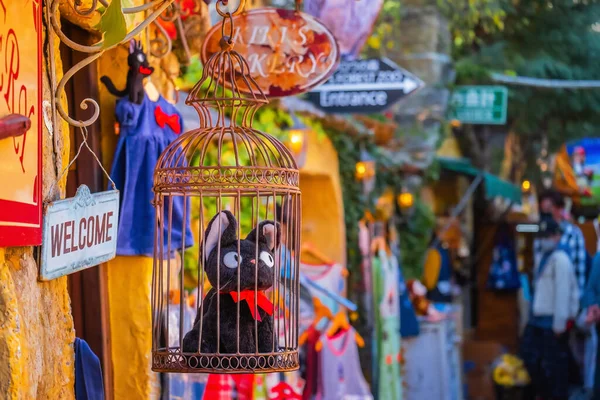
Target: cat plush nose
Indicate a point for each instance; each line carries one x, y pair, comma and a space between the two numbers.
253, 261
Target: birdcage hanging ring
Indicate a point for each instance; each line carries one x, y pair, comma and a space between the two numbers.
225, 291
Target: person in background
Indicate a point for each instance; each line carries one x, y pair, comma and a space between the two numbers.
571, 241
591, 301
555, 303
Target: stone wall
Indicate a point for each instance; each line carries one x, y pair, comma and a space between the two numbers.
36, 327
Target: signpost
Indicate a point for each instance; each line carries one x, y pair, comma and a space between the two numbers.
288, 52
20, 123
79, 233
479, 105
364, 87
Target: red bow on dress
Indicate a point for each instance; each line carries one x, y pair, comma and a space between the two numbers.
163, 119
262, 301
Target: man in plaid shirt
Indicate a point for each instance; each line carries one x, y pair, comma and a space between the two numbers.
572, 241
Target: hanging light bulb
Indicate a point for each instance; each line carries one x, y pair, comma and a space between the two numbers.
406, 200
365, 168
526, 186
297, 140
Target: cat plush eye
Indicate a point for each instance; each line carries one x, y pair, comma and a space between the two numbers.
141, 58
232, 260
267, 258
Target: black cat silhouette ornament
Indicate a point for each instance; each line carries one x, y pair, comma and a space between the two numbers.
255, 264
139, 68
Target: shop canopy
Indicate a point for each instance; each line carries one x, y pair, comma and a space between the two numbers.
493, 185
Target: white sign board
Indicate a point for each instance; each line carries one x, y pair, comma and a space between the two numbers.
79, 233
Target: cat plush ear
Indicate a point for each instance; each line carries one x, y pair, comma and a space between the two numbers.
222, 227
132, 46
269, 234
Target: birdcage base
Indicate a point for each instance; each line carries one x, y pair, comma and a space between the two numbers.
174, 361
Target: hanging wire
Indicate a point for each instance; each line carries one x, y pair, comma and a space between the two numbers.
84, 135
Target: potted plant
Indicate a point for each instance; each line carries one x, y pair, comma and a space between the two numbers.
510, 378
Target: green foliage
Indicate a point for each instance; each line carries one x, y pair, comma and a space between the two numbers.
274, 121
191, 74
385, 30
557, 39
415, 233
112, 24
472, 21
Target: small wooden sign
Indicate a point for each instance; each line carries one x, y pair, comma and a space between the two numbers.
288, 52
79, 232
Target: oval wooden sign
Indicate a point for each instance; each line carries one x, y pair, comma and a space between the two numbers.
288, 52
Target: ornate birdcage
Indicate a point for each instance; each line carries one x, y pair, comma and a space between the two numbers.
239, 190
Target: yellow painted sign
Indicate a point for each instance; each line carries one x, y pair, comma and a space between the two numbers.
20, 93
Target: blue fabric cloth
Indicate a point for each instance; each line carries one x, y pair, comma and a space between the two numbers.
141, 143
88, 373
504, 273
285, 260
441, 293
591, 295
409, 324
525, 286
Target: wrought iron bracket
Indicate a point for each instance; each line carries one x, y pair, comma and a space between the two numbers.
152, 10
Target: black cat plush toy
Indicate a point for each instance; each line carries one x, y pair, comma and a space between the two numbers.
139, 68
254, 272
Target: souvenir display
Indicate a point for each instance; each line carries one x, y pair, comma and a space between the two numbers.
223, 298
146, 128
387, 325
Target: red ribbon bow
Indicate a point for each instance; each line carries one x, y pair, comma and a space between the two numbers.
163, 119
261, 300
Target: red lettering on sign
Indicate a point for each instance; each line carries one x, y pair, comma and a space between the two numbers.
108, 227
100, 229
82, 226
69, 237
90, 227
73, 248
56, 234
12, 64
66, 237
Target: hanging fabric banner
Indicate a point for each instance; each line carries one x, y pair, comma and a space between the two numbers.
351, 22
578, 170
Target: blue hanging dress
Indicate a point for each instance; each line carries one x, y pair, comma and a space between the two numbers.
146, 131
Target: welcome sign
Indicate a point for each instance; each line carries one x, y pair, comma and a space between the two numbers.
79, 233
288, 52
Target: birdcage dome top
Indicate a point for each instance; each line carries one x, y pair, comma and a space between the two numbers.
226, 83
226, 157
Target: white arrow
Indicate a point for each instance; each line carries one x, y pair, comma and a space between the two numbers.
407, 85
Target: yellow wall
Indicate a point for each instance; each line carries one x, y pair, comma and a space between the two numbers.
322, 203
36, 326
129, 279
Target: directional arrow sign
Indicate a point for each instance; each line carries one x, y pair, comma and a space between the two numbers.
364, 87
